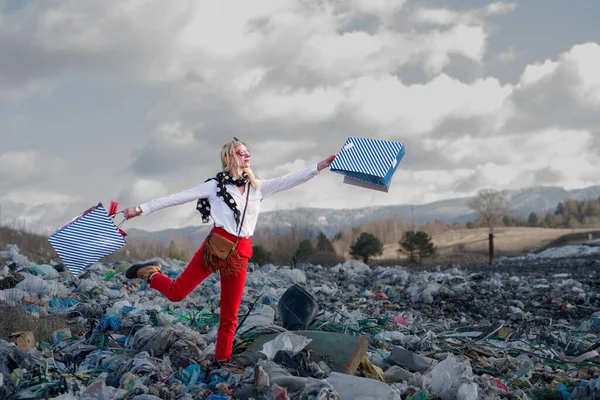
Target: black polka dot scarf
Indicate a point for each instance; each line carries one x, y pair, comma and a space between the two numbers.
222, 178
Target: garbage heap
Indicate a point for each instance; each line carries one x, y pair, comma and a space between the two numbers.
523, 328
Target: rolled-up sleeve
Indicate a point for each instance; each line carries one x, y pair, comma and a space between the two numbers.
271, 186
201, 191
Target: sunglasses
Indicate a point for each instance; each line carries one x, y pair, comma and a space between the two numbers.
243, 153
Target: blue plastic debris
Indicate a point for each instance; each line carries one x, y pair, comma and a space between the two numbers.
564, 391
62, 303
109, 322
215, 397
192, 375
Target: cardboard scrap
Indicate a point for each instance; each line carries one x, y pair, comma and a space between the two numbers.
24, 340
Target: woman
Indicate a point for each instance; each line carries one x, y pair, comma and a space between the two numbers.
232, 199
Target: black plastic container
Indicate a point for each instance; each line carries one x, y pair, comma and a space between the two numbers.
297, 308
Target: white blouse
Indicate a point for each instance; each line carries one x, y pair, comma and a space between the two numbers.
220, 212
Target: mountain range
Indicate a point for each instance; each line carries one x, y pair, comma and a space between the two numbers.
540, 199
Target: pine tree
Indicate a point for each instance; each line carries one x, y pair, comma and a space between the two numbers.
324, 244
366, 246
550, 221
175, 253
260, 255
304, 251
417, 244
533, 219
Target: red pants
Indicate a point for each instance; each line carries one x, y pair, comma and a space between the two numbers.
232, 288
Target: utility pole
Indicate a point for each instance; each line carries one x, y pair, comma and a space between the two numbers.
491, 239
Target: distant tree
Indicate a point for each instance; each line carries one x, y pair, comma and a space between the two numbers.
304, 251
572, 222
366, 246
470, 225
507, 220
592, 209
576, 209
533, 219
417, 244
260, 255
560, 209
408, 245
520, 220
324, 244
491, 205
175, 253
550, 221
561, 220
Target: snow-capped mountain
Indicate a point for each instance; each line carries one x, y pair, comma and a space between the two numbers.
331, 221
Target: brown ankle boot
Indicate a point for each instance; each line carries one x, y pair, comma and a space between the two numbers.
142, 271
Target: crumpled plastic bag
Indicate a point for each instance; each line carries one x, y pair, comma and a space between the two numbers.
260, 317
183, 345
11, 357
286, 341
452, 379
359, 388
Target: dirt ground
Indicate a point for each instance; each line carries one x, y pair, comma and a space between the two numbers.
507, 240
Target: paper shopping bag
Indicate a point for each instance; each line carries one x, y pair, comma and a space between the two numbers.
368, 163
88, 238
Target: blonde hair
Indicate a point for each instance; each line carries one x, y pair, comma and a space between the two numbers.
228, 152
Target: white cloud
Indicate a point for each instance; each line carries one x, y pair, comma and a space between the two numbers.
18, 164
28, 164
286, 168
291, 78
513, 161
417, 109
575, 70
175, 135
535, 72
583, 61
35, 198
248, 80
295, 106
500, 7
438, 16
446, 16
145, 189
381, 7
229, 45
276, 147
468, 41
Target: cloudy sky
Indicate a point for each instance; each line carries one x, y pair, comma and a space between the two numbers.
130, 100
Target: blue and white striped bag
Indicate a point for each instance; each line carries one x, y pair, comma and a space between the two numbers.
88, 238
368, 163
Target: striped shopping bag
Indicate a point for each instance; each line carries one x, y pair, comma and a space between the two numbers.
88, 238
368, 163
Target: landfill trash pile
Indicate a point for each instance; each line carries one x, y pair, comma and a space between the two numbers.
523, 328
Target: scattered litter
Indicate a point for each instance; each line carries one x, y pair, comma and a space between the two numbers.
523, 328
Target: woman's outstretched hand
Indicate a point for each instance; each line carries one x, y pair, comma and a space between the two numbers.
326, 162
131, 212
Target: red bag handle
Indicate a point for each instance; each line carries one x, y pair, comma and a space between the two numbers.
112, 212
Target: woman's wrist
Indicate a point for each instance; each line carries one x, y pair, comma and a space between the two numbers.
138, 211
